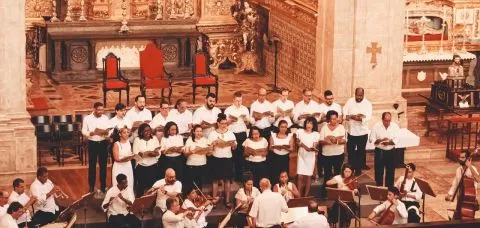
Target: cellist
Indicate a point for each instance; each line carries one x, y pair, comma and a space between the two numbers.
410, 193
395, 206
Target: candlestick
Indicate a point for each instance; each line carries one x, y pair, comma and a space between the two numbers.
68, 18
82, 12
124, 27
54, 12
159, 10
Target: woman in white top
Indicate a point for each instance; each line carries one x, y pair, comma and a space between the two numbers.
148, 148
172, 148
287, 189
245, 197
281, 144
343, 181
307, 141
122, 155
196, 151
220, 163
255, 152
332, 139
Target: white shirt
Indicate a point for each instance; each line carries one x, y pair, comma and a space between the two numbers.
3, 209
340, 182
302, 108
116, 122
209, 116
265, 121
312, 220
182, 120
162, 199
458, 176
242, 196
334, 149
171, 220
283, 106
40, 191
23, 200
202, 221
133, 115
261, 144
408, 188
225, 152
379, 132
400, 211
358, 128
118, 206
171, 141
91, 122
267, 208
335, 107
239, 125
280, 142
196, 159
158, 120
140, 145
7, 221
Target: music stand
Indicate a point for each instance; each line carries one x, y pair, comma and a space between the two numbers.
142, 203
299, 202
340, 195
427, 190
377, 193
83, 201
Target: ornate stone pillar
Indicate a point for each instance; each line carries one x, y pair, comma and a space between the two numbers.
18, 144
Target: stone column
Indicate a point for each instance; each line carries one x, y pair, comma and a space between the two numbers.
18, 144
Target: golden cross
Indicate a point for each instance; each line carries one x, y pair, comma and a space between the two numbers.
374, 50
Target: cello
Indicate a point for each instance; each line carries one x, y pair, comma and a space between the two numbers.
467, 200
387, 216
402, 186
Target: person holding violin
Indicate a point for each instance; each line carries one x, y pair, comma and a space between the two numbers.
117, 202
410, 193
168, 187
287, 189
244, 199
392, 211
199, 206
174, 217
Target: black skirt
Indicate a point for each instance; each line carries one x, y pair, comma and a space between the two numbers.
220, 168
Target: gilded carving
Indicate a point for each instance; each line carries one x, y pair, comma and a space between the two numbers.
170, 53
38, 8
218, 7
139, 9
223, 48
189, 9
159, 9
100, 9
79, 54
175, 8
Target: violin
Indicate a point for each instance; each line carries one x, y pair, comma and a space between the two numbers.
352, 181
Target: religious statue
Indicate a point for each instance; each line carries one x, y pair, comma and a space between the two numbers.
455, 71
159, 10
176, 7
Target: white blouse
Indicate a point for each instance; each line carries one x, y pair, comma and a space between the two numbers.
140, 145
335, 149
261, 144
171, 141
225, 152
308, 139
196, 159
280, 142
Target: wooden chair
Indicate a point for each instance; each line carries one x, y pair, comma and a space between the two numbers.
113, 78
202, 77
152, 72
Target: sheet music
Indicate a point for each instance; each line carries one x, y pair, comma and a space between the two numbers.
293, 214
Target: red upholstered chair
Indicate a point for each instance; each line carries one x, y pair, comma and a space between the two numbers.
113, 78
202, 77
152, 72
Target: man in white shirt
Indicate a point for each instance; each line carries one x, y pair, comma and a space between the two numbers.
411, 194
12, 214
306, 108
117, 201
398, 208
3, 202
95, 128
267, 207
312, 220
43, 189
137, 115
330, 104
207, 114
171, 218
160, 120
357, 112
262, 114
119, 120
283, 108
237, 115
18, 195
165, 188
384, 137
182, 117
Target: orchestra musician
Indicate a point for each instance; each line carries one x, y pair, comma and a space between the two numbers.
117, 202
307, 140
286, 188
267, 207
255, 152
172, 149
281, 145
173, 217
410, 193
10, 218
312, 220
18, 195
165, 188
46, 210
148, 148
3, 202
244, 199
200, 207
196, 150
345, 181
392, 210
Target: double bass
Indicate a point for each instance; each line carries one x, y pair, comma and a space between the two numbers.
402, 186
467, 199
387, 216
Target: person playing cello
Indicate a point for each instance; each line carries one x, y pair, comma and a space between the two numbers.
392, 211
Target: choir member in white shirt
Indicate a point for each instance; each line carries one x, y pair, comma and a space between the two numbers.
312, 220
220, 163
281, 145
119, 120
262, 114
256, 150
95, 128
329, 104
237, 117
358, 112
160, 120
206, 114
306, 108
148, 148
267, 207
196, 150
122, 156
384, 137
199, 206
3, 202
394, 204
173, 218
137, 115
283, 109
286, 188
44, 190
307, 140
117, 202
183, 118
168, 187
332, 139
18, 195
411, 194
172, 149
244, 199
13, 213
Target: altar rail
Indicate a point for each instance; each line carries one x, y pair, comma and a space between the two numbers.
462, 134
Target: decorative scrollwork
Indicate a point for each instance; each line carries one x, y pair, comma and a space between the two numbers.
79, 54
170, 53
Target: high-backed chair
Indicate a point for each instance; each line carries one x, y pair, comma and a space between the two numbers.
113, 79
152, 72
202, 77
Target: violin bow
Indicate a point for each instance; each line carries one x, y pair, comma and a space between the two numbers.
196, 186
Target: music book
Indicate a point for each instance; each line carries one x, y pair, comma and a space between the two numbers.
259, 115
207, 124
221, 143
282, 112
293, 214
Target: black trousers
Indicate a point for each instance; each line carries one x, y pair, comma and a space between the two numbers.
412, 213
384, 160
266, 132
116, 221
345, 216
356, 152
333, 165
41, 218
176, 163
259, 171
239, 220
277, 164
320, 162
145, 176
238, 158
97, 149
194, 174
